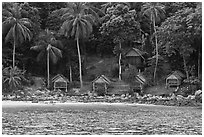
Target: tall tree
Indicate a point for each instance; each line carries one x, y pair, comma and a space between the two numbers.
14, 27
121, 24
47, 44
77, 23
155, 11
105, 6
182, 33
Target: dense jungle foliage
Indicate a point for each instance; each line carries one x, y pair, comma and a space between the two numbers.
48, 38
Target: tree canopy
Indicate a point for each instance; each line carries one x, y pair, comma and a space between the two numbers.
172, 30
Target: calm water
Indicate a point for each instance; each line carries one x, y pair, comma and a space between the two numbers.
100, 118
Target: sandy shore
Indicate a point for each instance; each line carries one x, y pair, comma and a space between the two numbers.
57, 103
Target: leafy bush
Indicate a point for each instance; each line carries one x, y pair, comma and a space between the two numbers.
190, 85
129, 75
12, 78
162, 70
114, 71
74, 84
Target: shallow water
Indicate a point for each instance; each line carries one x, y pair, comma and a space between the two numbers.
99, 118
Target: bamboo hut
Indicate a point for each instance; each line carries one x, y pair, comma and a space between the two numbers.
101, 83
174, 79
135, 57
140, 81
60, 82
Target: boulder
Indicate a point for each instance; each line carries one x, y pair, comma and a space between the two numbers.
190, 97
136, 94
122, 96
173, 96
38, 92
35, 101
198, 93
179, 97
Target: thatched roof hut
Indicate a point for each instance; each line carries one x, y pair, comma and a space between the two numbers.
60, 82
135, 57
174, 79
101, 80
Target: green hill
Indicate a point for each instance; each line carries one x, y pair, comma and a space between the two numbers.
96, 66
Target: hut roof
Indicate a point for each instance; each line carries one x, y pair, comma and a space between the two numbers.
59, 78
176, 75
133, 52
101, 79
141, 79
177, 72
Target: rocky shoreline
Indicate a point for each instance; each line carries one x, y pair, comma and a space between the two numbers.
146, 99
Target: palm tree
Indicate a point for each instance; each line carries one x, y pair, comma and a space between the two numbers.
47, 44
14, 27
13, 77
155, 12
77, 23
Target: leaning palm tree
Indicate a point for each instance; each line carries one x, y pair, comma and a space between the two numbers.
14, 27
155, 11
47, 44
77, 23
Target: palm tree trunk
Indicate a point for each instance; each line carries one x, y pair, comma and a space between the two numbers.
48, 69
120, 70
185, 67
70, 73
14, 50
198, 63
80, 71
157, 53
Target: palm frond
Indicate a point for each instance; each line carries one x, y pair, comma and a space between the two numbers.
73, 30
84, 30
66, 27
26, 22
9, 20
38, 47
79, 11
61, 11
67, 16
6, 14
154, 10
41, 55
28, 33
56, 51
21, 33
53, 56
9, 35
96, 17
88, 26
75, 21
90, 18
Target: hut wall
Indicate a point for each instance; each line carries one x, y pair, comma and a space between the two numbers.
60, 84
173, 82
134, 61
